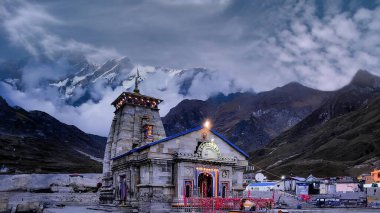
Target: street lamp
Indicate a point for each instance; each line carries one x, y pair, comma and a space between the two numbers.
207, 124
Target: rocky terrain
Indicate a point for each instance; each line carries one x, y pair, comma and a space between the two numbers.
250, 120
36, 192
341, 137
35, 142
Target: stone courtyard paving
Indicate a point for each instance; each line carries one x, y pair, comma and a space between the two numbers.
68, 209
87, 209
330, 210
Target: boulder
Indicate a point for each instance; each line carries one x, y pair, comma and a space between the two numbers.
30, 207
3, 204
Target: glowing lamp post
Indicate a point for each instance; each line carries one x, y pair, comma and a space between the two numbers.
207, 124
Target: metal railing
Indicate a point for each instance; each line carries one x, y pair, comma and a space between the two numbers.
197, 203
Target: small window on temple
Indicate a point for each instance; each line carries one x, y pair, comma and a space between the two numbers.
188, 188
148, 131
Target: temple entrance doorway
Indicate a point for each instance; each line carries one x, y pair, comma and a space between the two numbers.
205, 185
225, 189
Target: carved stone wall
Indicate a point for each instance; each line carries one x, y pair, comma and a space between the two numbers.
125, 134
155, 198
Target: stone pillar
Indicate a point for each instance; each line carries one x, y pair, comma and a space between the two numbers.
107, 152
116, 134
134, 181
106, 192
237, 181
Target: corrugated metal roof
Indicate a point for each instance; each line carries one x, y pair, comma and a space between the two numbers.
262, 184
138, 149
298, 178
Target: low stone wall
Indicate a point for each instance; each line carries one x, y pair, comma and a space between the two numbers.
39, 182
28, 201
33, 192
51, 198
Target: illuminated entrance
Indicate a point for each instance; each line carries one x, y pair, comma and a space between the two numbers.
205, 184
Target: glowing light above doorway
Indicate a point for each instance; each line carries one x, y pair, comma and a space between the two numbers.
207, 169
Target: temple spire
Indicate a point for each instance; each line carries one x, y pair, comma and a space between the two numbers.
136, 90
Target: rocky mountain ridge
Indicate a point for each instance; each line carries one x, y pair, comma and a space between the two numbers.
35, 142
250, 120
338, 138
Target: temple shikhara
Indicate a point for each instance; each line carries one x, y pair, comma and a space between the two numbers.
149, 171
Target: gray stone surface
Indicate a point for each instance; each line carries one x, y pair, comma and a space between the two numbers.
3, 204
33, 182
37, 201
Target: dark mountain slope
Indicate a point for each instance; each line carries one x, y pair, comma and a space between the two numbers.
248, 119
36, 142
339, 138
355, 95
191, 113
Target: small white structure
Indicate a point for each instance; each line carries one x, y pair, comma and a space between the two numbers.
302, 189
289, 184
346, 187
327, 188
263, 186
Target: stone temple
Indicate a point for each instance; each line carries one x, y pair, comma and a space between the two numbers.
145, 169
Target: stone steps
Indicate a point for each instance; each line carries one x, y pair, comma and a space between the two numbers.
113, 208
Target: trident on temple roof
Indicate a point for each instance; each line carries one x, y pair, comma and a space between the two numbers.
136, 90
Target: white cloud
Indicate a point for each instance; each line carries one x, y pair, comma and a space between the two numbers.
195, 2
26, 25
325, 53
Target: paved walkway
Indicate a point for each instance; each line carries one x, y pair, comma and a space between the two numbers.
88, 209
331, 210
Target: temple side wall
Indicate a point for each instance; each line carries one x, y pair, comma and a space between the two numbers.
115, 133
156, 189
107, 153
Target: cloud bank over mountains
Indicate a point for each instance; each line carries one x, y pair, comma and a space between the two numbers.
243, 45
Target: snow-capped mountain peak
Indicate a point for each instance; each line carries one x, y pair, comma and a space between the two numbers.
80, 80
122, 72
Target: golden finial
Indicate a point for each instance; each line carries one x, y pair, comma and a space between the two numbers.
136, 90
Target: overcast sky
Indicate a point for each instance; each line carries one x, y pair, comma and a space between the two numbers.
263, 43
267, 43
